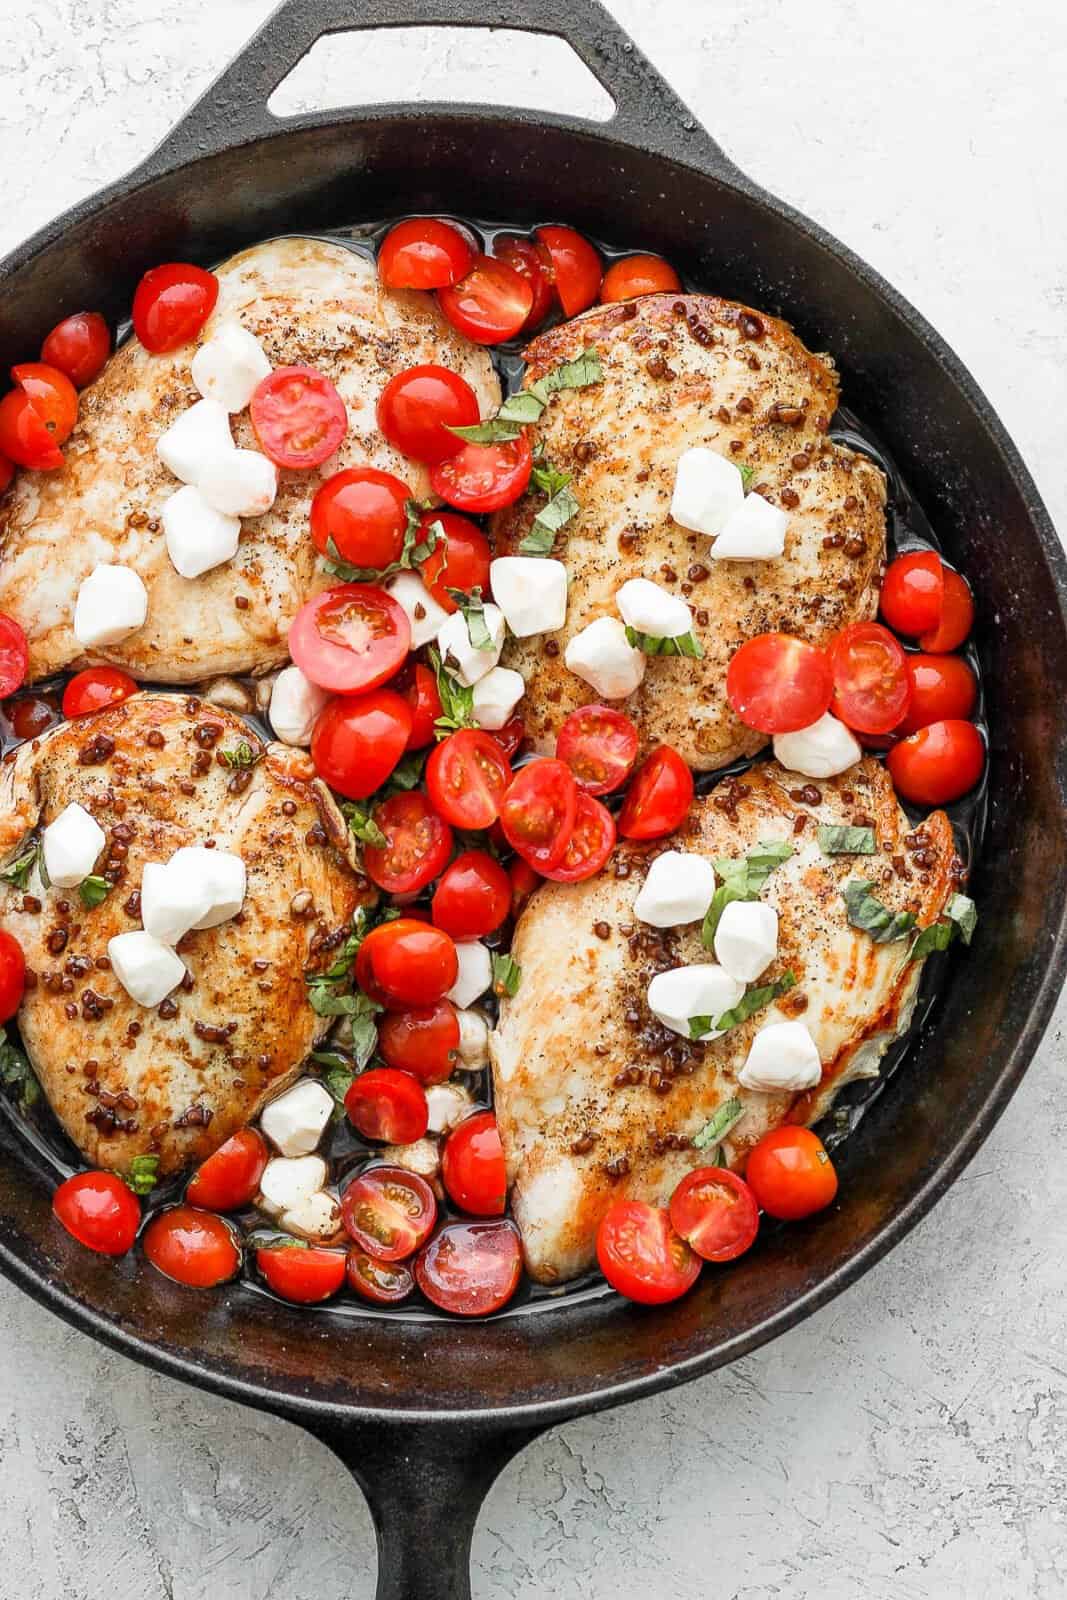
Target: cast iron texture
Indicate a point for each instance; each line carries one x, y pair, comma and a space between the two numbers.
229, 175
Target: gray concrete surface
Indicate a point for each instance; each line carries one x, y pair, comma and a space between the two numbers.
910, 1442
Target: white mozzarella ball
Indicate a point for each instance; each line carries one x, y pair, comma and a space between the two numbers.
822, 750
289, 1180
677, 890
71, 843
147, 969
783, 1056
112, 603
531, 591
222, 874
172, 901
316, 1218
195, 440
447, 1104
199, 537
473, 1041
703, 990
242, 483
651, 609
496, 696
746, 940
422, 1157
708, 489
294, 1121
460, 656
755, 532
475, 973
604, 658
419, 606
230, 366
295, 703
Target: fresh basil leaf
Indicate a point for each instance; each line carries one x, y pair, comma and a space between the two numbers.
580, 373
419, 542
938, 936
867, 913
960, 919
16, 1073
964, 914
754, 1000
768, 854
94, 890
362, 824
842, 840
143, 1174
549, 479
275, 1239
507, 975
473, 608
521, 408
242, 755
18, 872
457, 700
747, 475
407, 774
699, 1026
525, 407
554, 515
715, 1130
338, 1078
497, 430
685, 644
742, 880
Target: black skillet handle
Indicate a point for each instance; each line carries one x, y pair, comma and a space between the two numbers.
425, 1484
234, 109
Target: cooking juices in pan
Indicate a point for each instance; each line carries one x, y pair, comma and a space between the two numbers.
31, 712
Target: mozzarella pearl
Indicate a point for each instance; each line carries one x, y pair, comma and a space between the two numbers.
703, 990
602, 656
821, 750
230, 366
460, 656
287, 1181
708, 489
473, 1041
173, 900
223, 876
199, 537
755, 532
677, 890
316, 1217
496, 696
71, 845
783, 1056
147, 969
447, 1104
294, 1122
419, 606
746, 940
651, 609
475, 973
195, 440
295, 703
531, 591
112, 603
241, 483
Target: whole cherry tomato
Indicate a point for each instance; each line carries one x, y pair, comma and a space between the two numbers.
913, 592
195, 1248
423, 1041
387, 1104
471, 1268
305, 1274
79, 346
872, 686
715, 1212
943, 688
778, 684
389, 1212
406, 963
12, 975
419, 406
790, 1173
171, 304
229, 1179
423, 253
577, 270
484, 477
467, 776
490, 303
636, 275
591, 842
459, 561
938, 764
957, 617
98, 1210
298, 417
14, 656
641, 1255
362, 514
659, 796
539, 810
96, 689
350, 638
472, 1166
532, 262
358, 740
473, 896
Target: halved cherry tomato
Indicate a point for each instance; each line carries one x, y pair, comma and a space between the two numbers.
490, 303
778, 684
229, 1179
387, 1104
473, 896
171, 304
636, 275
539, 811
24, 437
424, 1041
658, 798
305, 1274
577, 270
363, 513
191, 1247
12, 975
591, 842
417, 408
406, 963
298, 417
461, 561
871, 683
350, 638
383, 1283
358, 740
418, 848
98, 1210
51, 394
484, 477
790, 1174
423, 253
472, 1166
938, 764
14, 655
524, 881
511, 736
471, 1268
95, 689
641, 1255
532, 262
418, 685
599, 745
715, 1212
913, 592
957, 617
78, 346
388, 1211
30, 715
943, 688
467, 776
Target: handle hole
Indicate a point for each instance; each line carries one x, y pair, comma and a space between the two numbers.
501, 66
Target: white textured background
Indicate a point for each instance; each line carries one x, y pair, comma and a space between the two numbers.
910, 1442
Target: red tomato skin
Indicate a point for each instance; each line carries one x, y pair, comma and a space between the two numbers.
471, 1268
423, 253
386, 1104
532, 262
298, 418
12, 975
473, 896
358, 740
524, 881
51, 394
659, 796
98, 1210
511, 737
939, 764
484, 477
363, 511
306, 1276
913, 592
943, 688
591, 842
407, 963
96, 689
229, 1178
472, 1167
423, 1041
420, 691
637, 275
418, 407
957, 617
325, 630
872, 687
467, 776
776, 683
719, 1227
14, 656
576, 268
641, 1256
461, 562
490, 303
790, 1174
420, 844
191, 1247
29, 716
24, 438
599, 745
383, 1283
79, 346
389, 1212
539, 811
171, 304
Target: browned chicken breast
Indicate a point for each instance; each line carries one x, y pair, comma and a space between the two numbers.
597, 1100
177, 1079
310, 303
681, 371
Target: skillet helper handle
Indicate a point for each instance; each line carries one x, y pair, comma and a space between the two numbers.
425, 1484
233, 110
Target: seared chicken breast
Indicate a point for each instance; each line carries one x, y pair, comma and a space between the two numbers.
596, 1100
310, 302
175, 1080
679, 371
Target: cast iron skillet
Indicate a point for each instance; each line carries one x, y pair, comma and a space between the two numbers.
425, 1413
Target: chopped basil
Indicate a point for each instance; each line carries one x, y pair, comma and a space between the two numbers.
962, 915
16, 1073
473, 608
338, 1078
94, 890
754, 1000
684, 644
742, 880
275, 1239
867, 913
361, 823
715, 1130
495, 430
17, 872
143, 1174
559, 509
841, 840
330, 993
407, 774
525, 407
242, 755
506, 976
747, 475
457, 700
419, 542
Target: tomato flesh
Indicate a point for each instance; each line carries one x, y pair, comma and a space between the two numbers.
484, 477
939, 764
459, 561
473, 896
490, 303
471, 1268
472, 1166
778, 684
659, 797
943, 688
641, 1255
406, 963
171, 304
467, 776
790, 1174
577, 270
637, 275
298, 417
350, 638
383, 1283
96, 689
532, 262
98, 1210
387, 1104
715, 1212
913, 592
539, 811
418, 407
423, 253
362, 514
872, 687
591, 842
229, 1179
304, 1274
419, 844
388, 1212
191, 1247
24, 437
956, 620
599, 745
423, 1041
79, 346
358, 740
14, 656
